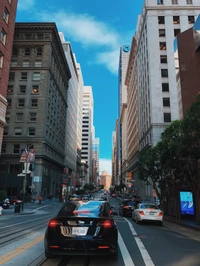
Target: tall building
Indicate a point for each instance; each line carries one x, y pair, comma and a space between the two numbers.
114, 174
122, 157
95, 157
158, 25
7, 26
72, 113
87, 125
132, 119
188, 61
36, 113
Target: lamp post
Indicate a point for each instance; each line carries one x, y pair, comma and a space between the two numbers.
26, 164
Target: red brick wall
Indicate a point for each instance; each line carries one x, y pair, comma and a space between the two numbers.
189, 63
6, 49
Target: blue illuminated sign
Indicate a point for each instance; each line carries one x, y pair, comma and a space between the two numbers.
186, 203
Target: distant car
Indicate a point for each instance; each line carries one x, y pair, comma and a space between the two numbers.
82, 228
14, 199
127, 206
75, 197
147, 212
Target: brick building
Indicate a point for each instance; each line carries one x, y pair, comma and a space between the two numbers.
7, 25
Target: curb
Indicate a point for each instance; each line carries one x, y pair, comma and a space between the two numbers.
194, 227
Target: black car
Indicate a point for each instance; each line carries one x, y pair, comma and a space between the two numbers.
127, 206
82, 228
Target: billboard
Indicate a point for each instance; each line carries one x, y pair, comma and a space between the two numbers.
186, 203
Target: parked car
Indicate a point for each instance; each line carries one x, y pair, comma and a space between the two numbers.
147, 212
14, 200
82, 228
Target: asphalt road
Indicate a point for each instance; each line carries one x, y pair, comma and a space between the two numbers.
139, 245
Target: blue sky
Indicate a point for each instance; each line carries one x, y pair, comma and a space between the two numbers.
96, 29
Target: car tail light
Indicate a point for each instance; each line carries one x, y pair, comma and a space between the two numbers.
54, 223
105, 224
103, 247
126, 207
160, 214
141, 212
111, 211
54, 246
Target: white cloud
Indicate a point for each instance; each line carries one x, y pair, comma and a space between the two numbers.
110, 59
25, 4
105, 165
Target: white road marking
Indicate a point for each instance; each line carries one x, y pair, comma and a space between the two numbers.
131, 227
145, 255
124, 251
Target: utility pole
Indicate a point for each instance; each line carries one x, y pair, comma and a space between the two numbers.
26, 164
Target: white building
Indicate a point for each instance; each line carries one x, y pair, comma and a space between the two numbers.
122, 136
87, 126
159, 23
71, 125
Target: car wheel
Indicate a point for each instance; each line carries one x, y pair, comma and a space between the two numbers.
48, 255
136, 220
114, 256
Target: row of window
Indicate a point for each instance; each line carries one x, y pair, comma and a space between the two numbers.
161, 32
37, 63
175, 2
27, 51
176, 20
23, 89
20, 117
18, 131
21, 102
24, 76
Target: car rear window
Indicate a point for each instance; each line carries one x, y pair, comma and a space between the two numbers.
149, 206
130, 203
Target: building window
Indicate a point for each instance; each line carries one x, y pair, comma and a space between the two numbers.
15, 51
39, 51
10, 89
165, 87
13, 63
40, 36
7, 117
3, 148
176, 32
21, 102
161, 32
9, 102
24, 75
6, 15
163, 59
159, 2
32, 117
27, 51
191, 19
189, 2
163, 46
167, 117
3, 36
11, 76
28, 36
16, 148
31, 131
35, 89
22, 89
161, 20
25, 64
19, 117
34, 102
166, 102
36, 76
18, 131
176, 20
174, 2
38, 63
164, 73
1, 60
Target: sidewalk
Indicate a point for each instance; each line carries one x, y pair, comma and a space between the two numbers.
187, 223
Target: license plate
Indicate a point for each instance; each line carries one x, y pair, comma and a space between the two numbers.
79, 231
151, 213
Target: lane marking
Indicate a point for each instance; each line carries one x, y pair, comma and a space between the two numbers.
2, 227
131, 227
124, 251
145, 255
20, 250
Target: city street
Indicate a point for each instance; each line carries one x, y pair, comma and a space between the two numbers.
21, 241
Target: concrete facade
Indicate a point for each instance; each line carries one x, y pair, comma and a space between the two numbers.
37, 107
7, 26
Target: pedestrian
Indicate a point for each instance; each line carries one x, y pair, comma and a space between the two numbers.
40, 199
33, 199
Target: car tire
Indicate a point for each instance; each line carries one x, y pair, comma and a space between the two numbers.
137, 221
48, 255
114, 256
